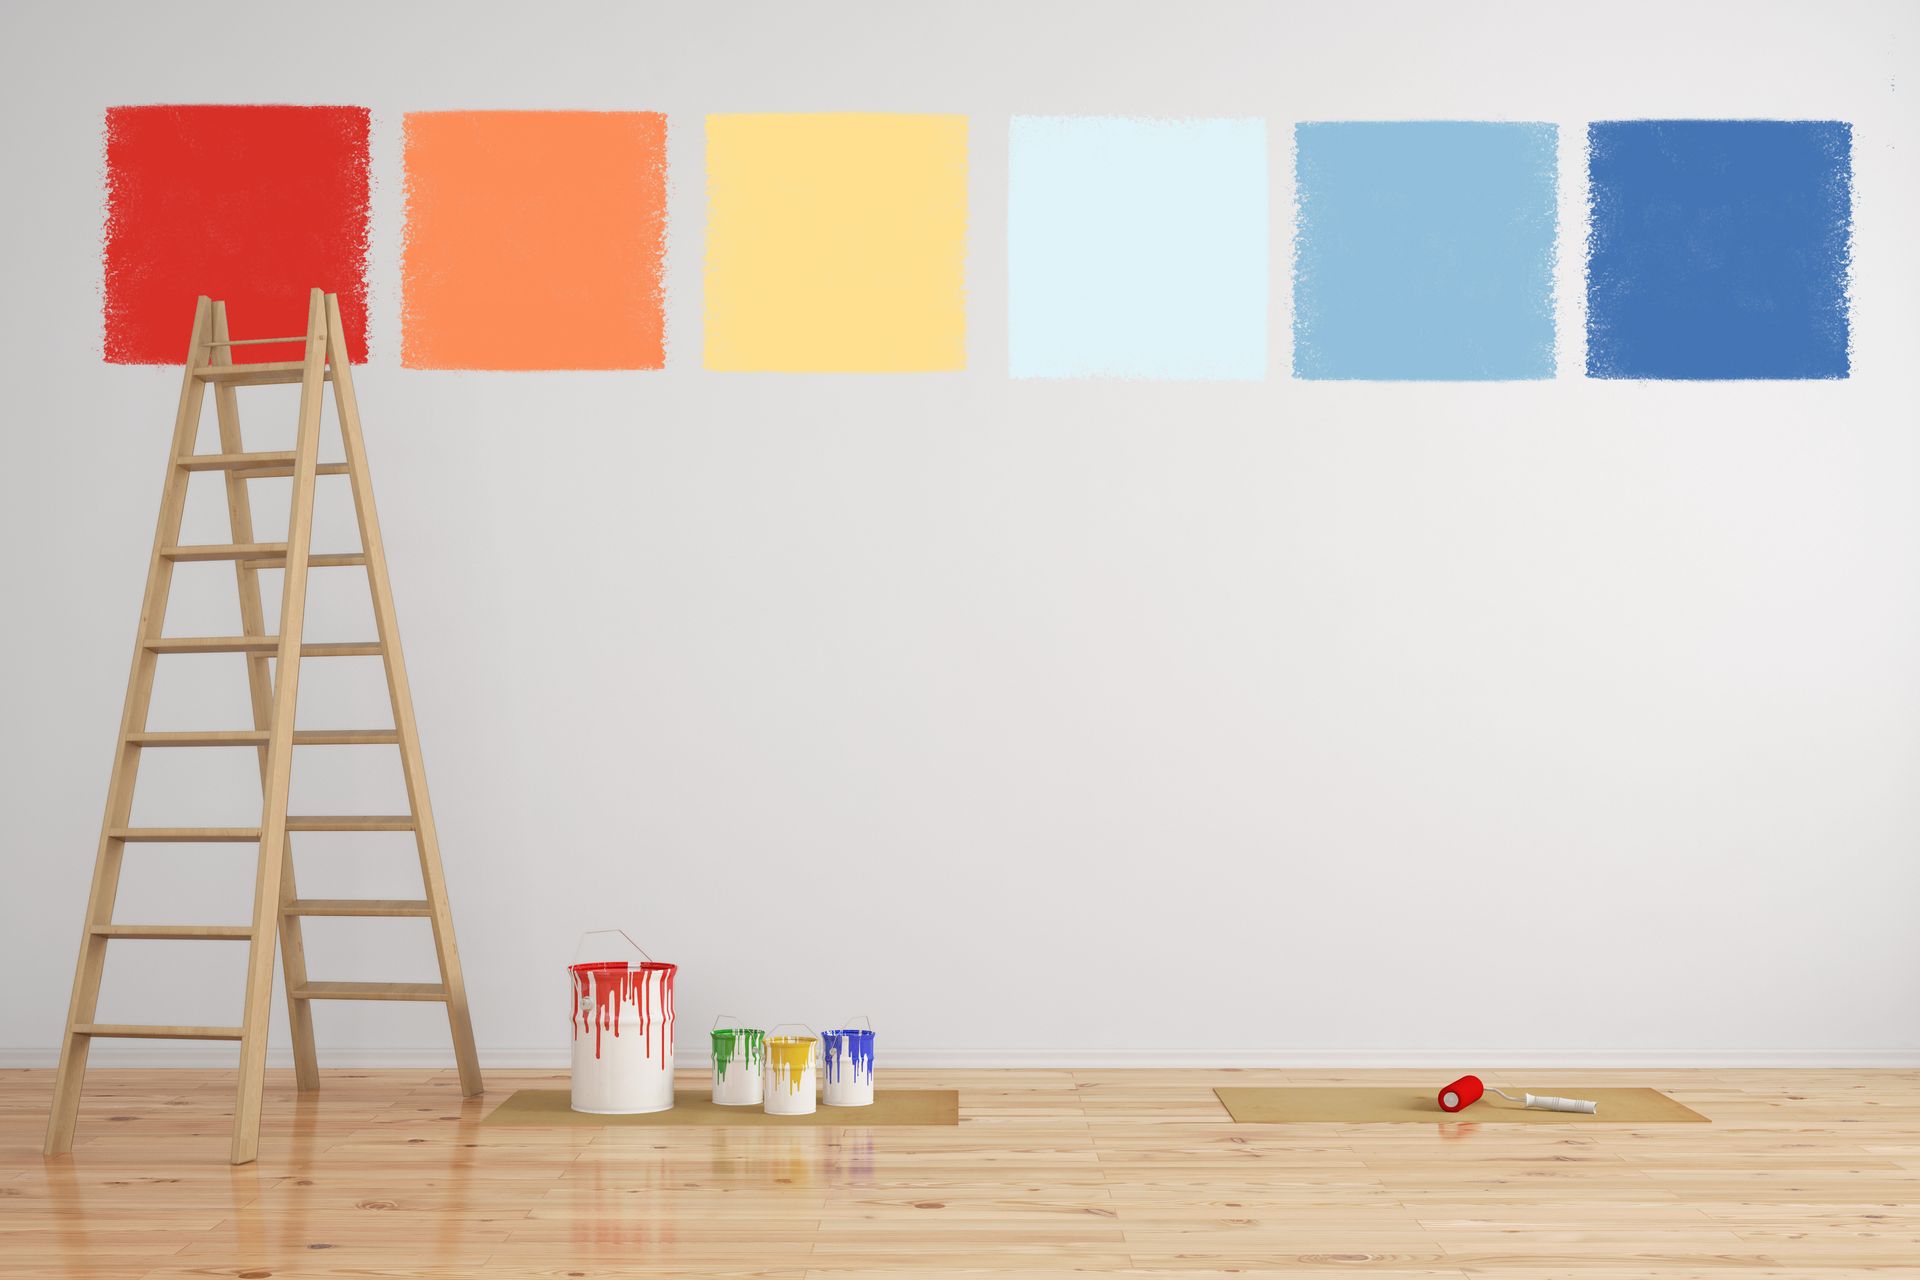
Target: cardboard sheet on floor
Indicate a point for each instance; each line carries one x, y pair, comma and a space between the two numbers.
546, 1108
1378, 1104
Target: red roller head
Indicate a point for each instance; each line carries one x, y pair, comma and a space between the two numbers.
1461, 1094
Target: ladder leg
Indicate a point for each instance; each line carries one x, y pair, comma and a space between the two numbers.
92, 961
427, 840
293, 952
273, 818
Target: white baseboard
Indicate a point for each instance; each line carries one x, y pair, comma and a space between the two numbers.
1081, 1058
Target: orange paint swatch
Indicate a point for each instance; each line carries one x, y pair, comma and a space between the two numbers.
534, 240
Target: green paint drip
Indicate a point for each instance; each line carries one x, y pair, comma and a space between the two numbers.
745, 1043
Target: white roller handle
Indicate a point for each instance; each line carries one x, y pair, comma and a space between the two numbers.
1562, 1104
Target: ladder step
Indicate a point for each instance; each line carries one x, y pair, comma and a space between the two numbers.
266, 373
186, 835
258, 738
214, 644
227, 551
357, 907
258, 644
256, 466
281, 473
370, 649
344, 822
346, 737
201, 738
313, 562
197, 932
369, 991
124, 1032
257, 555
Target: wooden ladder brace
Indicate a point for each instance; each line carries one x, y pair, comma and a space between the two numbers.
278, 910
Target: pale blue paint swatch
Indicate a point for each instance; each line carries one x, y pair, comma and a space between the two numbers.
1137, 248
1425, 250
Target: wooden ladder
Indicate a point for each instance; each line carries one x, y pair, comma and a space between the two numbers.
277, 908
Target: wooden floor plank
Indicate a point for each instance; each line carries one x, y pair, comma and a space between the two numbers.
1051, 1173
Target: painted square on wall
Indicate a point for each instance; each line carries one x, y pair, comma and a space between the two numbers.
1425, 250
1719, 248
1137, 248
836, 243
250, 205
534, 240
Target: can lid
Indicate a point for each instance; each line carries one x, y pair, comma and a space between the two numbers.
621, 966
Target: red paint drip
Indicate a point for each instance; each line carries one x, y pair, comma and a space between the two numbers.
613, 983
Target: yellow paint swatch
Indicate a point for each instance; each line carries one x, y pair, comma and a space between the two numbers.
836, 243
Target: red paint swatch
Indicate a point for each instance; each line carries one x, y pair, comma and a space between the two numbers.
252, 205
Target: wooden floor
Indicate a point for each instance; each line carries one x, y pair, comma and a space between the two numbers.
1050, 1173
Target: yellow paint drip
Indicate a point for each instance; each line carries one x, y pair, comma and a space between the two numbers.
790, 1056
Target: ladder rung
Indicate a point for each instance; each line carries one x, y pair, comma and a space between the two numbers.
124, 1032
214, 644
346, 737
278, 560
197, 932
369, 991
235, 461
254, 342
259, 644
258, 737
186, 835
255, 466
345, 822
357, 907
262, 374
275, 551
257, 555
201, 738
281, 473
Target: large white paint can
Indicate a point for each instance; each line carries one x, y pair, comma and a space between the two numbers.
846, 1066
739, 1065
791, 1082
622, 1014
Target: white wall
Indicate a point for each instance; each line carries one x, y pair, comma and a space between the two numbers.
1079, 721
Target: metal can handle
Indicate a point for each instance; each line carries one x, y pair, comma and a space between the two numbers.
594, 933
720, 1017
848, 1025
776, 1027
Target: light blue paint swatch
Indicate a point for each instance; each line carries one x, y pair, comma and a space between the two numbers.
1137, 248
1425, 250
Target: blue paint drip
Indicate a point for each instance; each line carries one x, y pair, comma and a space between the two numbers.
1719, 248
844, 1048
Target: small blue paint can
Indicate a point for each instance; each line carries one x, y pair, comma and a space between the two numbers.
846, 1074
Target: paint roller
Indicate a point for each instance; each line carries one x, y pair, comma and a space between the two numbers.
1467, 1090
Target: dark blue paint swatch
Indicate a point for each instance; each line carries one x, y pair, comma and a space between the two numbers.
1718, 248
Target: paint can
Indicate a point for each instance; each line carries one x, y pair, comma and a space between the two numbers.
791, 1082
622, 1014
739, 1065
846, 1066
